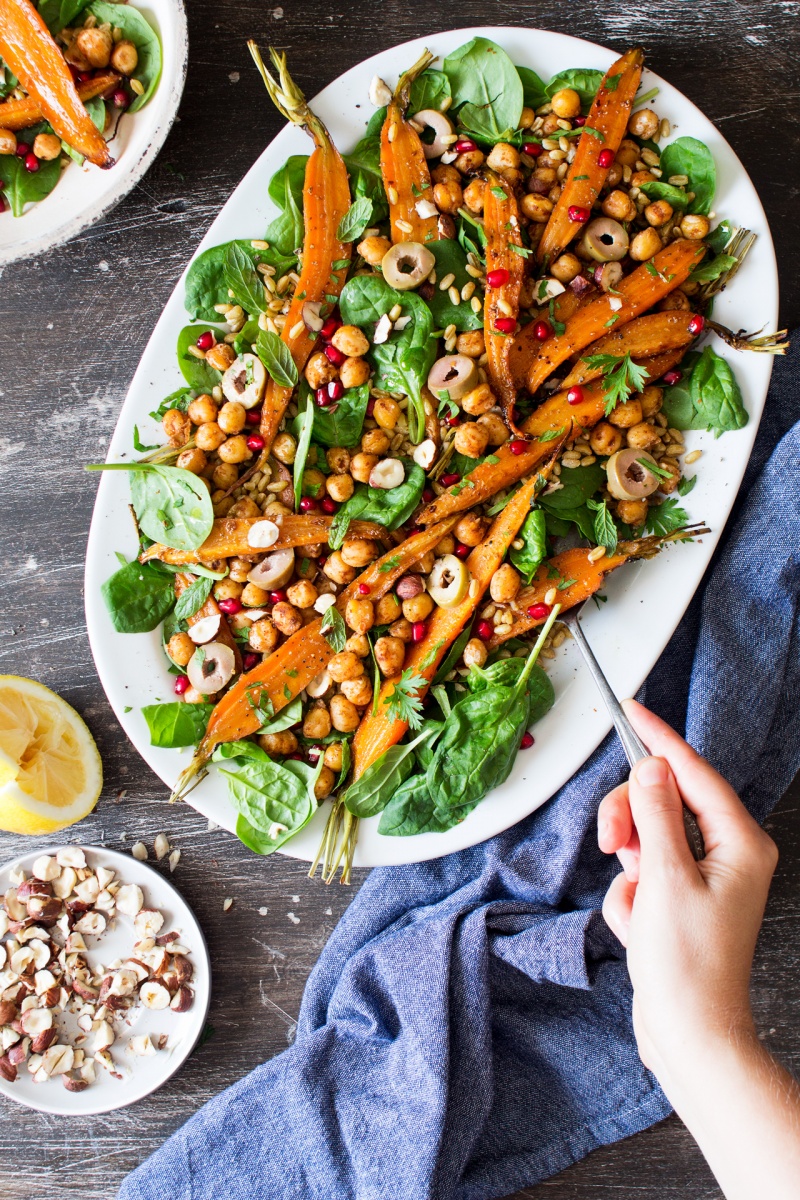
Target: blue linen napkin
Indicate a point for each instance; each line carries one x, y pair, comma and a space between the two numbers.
467, 1031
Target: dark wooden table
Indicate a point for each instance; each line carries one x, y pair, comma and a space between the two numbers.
72, 328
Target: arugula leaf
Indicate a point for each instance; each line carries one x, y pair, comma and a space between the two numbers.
690, 157
137, 29
486, 89
622, 377
534, 551
665, 518
277, 358
138, 597
333, 629
355, 220
176, 724
171, 505
451, 259
403, 702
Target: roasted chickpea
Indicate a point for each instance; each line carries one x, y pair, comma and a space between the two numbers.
632, 512
223, 506
344, 714
644, 124
542, 179
324, 783
471, 439
353, 372
386, 412
614, 175
651, 399
358, 644
566, 268
239, 569
286, 617
446, 546
278, 745
240, 622
234, 450
225, 475
340, 487
320, 371
176, 426
418, 608
302, 594
401, 629
479, 400
504, 584
337, 569
373, 249
232, 417
644, 245
361, 465
351, 341
334, 756
338, 459
642, 436
628, 153
471, 344
8, 141
192, 696
390, 653
619, 206
475, 653
209, 436
254, 596
95, 45
192, 460
605, 440
244, 508
345, 665
360, 614
47, 146
284, 448
375, 441
221, 356
469, 530
694, 226
359, 552
536, 208
317, 721
445, 173
503, 157
469, 162
527, 118
180, 648
387, 609
448, 197
495, 427
125, 57
640, 177
263, 635
627, 414
202, 410
227, 589
658, 213
314, 483
667, 486
358, 691
474, 194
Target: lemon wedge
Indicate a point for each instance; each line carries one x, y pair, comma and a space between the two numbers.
50, 769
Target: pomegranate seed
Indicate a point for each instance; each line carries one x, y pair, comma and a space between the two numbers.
575, 395
696, 324
277, 597
672, 377
330, 327
462, 551
321, 397
253, 416
323, 558
230, 606
23, 150
418, 631
498, 278
539, 612
606, 157
181, 685
428, 495
370, 406
336, 389
296, 757
534, 149
465, 146
579, 122
452, 421
518, 446
542, 331
250, 660
84, 76
314, 753
307, 504
255, 442
450, 478
32, 164
121, 99
505, 324
527, 741
329, 506
484, 630
364, 588
578, 213
333, 355
205, 341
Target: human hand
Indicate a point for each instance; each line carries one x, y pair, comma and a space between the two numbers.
689, 927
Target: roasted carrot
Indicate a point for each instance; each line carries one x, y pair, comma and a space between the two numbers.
29, 50
565, 306
282, 676
635, 294
404, 167
608, 117
210, 609
326, 199
21, 114
229, 537
505, 262
582, 577
645, 337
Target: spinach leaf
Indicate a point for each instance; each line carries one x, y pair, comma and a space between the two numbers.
486, 89
243, 280
57, 14
688, 156
658, 190
193, 598
97, 111
506, 671
273, 800
286, 718
534, 552
290, 179
138, 596
277, 358
568, 504
425, 750
453, 656
712, 268
355, 220
471, 235
205, 280
21, 186
411, 810
171, 505
342, 423
302, 428
707, 397
541, 695
180, 399
196, 371
177, 724
429, 90
582, 80
135, 28
534, 94
390, 507
285, 232
403, 361
718, 239
364, 168
373, 790
451, 259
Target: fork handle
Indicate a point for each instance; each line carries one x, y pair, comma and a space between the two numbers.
632, 744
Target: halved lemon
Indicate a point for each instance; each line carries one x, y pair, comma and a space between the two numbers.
50, 769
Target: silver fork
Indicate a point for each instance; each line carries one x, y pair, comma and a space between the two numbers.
634, 748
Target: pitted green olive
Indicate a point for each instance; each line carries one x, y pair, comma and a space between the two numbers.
629, 477
407, 265
605, 240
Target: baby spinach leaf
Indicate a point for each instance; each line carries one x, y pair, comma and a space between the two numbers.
277, 358
57, 14
364, 167
171, 504
21, 186
180, 399
534, 94
196, 371
286, 718
534, 552
582, 80
342, 423
451, 259
541, 695
429, 90
688, 156
285, 232
302, 427
390, 507
176, 724
135, 28
712, 268
273, 801
410, 811
138, 597
193, 598
290, 179
707, 397
486, 89
205, 280
579, 483
718, 239
658, 190
243, 280
453, 656
503, 671
355, 220
373, 790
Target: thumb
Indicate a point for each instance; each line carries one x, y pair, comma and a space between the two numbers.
657, 812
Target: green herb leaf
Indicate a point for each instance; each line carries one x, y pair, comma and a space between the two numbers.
605, 531
685, 486
243, 280
333, 629
622, 377
411, 811
277, 359
303, 427
403, 702
193, 598
138, 445
713, 269
665, 518
355, 220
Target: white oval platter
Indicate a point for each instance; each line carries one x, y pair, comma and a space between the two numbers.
84, 194
645, 601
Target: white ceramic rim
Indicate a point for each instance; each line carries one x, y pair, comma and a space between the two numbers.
158, 115
192, 935
646, 600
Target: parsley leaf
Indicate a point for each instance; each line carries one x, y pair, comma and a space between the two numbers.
621, 375
665, 518
403, 702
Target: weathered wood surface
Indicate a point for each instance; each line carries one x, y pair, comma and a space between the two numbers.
72, 328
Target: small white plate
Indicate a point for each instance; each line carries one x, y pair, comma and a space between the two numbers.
84, 194
142, 1075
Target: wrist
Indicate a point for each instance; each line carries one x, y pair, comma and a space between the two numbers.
697, 1072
